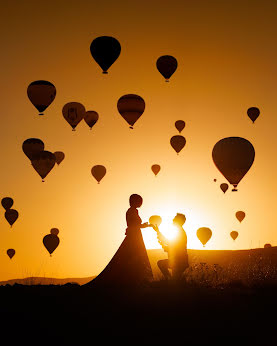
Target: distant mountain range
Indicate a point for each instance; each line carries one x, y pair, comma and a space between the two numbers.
46, 281
220, 257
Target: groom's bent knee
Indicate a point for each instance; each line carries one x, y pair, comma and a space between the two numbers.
163, 264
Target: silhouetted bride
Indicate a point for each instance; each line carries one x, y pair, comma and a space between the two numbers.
130, 264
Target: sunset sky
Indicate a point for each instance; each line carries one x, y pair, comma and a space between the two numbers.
227, 54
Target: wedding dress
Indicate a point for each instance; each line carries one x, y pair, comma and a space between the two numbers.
130, 264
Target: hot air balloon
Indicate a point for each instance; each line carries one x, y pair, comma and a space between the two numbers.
253, 113
180, 125
73, 113
105, 50
204, 234
59, 155
32, 146
41, 93
11, 253
91, 118
166, 65
240, 215
51, 241
131, 107
267, 246
155, 220
234, 235
43, 162
177, 142
156, 169
11, 215
7, 202
54, 231
224, 187
98, 172
214, 180
233, 156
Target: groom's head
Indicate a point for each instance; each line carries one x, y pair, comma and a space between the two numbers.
179, 219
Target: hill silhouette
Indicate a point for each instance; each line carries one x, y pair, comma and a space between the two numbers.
241, 260
36, 280
162, 313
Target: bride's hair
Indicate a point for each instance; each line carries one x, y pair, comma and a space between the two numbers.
135, 200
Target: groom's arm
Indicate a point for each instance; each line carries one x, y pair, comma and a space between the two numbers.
163, 241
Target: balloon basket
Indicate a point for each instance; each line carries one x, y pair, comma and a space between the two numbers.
131, 127
234, 189
41, 114
43, 181
74, 129
105, 72
167, 80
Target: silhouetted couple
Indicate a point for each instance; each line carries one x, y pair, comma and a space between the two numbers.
130, 265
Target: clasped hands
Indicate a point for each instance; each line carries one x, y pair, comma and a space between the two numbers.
146, 224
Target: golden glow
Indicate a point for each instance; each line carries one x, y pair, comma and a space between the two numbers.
166, 228
194, 220
169, 230
222, 71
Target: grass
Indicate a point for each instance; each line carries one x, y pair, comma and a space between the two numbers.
210, 305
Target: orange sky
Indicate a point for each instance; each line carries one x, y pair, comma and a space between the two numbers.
227, 56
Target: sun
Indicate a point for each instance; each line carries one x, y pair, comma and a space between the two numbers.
167, 228
194, 220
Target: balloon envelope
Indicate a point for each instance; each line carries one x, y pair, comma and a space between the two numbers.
267, 246
32, 146
156, 169
178, 142
91, 118
240, 215
253, 113
51, 241
105, 50
7, 202
224, 187
131, 107
166, 65
11, 253
98, 172
11, 215
54, 231
43, 162
180, 125
204, 234
41, 93
234, 235
233, 156
155, 220
73, 112
59, 155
